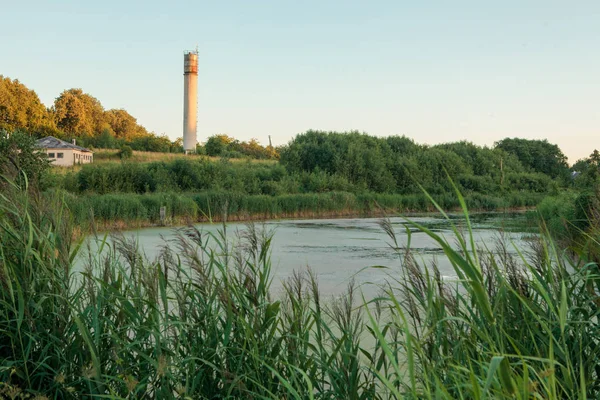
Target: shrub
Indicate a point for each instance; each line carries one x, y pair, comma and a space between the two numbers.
21, 160
126, 152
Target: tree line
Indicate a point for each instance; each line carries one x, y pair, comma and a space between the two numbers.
317, 162
73, 113
398, 164
78, 115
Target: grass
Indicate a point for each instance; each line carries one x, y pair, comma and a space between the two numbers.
111, 155
200, 321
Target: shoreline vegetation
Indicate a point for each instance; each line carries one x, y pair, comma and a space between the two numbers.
319, 174
112, 212
121, 225
201, 322
118, 225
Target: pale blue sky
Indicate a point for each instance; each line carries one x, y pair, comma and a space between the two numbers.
434, 71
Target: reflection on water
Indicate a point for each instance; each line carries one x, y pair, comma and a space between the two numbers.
338, 250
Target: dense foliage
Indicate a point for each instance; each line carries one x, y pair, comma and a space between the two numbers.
20, 160
183, 175
21, 108
537, 156
370, 172
225, 146
397, 164
321, 162
572, 214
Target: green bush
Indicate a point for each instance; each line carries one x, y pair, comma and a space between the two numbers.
21, 162
557, 212
531, 182
126, 152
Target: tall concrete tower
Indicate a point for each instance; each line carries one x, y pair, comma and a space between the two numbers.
190, 100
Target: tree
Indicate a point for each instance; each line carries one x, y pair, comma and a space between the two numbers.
360, 158
177, 146
434, 167
20, 159
402, 145
151, 142
537, 156
124, 125
587, 171
217, 145
255, 150
21, 108
106, 139
125, 153
76, 112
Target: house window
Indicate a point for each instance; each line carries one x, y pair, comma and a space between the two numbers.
59, 155
50, 155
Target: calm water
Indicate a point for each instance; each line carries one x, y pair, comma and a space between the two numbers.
338, 250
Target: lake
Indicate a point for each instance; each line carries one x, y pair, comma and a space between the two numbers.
339, 250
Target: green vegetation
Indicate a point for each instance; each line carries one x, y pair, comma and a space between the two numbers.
118, 211
125, 153
537, 155
228, 147
19, 160
571, 213
111, 156
319, 174
200, 321
397, 164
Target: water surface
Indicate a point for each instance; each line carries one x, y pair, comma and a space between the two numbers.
339, 250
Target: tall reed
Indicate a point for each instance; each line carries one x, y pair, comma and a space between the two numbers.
200, 321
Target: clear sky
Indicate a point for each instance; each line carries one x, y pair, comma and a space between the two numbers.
434, 71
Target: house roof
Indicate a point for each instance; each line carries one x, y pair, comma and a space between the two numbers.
50, 142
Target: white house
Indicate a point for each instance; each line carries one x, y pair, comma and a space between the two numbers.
65, 154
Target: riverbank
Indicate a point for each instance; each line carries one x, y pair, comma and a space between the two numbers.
132, 211
120, 225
